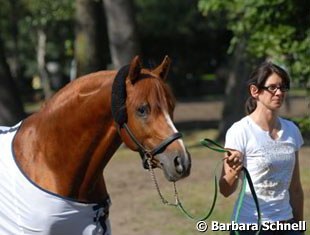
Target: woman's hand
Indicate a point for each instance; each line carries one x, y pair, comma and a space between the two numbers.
234, 159
232, 166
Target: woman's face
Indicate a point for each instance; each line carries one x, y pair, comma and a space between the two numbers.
272, 94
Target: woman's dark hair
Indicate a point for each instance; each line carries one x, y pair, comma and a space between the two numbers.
259, 77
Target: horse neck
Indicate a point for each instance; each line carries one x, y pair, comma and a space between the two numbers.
79, 139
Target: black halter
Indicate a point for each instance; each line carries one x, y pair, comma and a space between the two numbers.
145, 153
119, 113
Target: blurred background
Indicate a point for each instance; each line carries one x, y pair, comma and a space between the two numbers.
213, 44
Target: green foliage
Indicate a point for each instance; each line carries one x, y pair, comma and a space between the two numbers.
151, 18
178, 29
274, 29
44, 12
19, 21
304, 125
55, 18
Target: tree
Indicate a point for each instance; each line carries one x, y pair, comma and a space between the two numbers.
276, 30
43, 17
11, 108
122, 31
91, 43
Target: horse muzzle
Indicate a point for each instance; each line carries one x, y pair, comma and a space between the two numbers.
175, 165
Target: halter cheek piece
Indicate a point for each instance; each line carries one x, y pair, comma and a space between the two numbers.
119, 113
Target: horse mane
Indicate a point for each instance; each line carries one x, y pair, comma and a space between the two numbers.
119, 94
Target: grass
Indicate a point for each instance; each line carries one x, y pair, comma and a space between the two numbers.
141, 211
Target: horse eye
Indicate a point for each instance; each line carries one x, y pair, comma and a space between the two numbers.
143, 110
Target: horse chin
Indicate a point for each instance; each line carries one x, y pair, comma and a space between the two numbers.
170, 177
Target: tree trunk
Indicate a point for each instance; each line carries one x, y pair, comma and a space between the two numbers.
122, 31
41, 53
91, 44
236, 89
15, 65
11, 107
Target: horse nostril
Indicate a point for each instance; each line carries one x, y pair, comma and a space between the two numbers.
178, 165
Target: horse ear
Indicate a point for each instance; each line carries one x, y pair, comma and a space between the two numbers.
163, 69
134, 69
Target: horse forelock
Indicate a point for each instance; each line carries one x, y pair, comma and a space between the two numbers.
155, 92
147, 87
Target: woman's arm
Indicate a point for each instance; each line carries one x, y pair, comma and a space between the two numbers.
296, 193
232, 167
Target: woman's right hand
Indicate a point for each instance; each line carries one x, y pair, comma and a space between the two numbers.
233, 163
234, 160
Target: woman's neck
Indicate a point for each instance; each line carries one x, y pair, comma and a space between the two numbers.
266, 119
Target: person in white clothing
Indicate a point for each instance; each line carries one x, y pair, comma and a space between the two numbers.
267, 145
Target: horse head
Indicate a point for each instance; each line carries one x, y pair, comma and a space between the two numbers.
143, 105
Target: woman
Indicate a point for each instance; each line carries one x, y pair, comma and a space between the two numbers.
267, 145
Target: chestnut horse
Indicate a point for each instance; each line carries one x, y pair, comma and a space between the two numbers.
59, 153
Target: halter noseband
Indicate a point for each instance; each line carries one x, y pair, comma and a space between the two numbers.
149, 154
119, 113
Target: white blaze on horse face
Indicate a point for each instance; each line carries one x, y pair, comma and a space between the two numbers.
171, 125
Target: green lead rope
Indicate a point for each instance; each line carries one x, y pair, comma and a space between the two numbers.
208, 214
247, 179
217, 148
